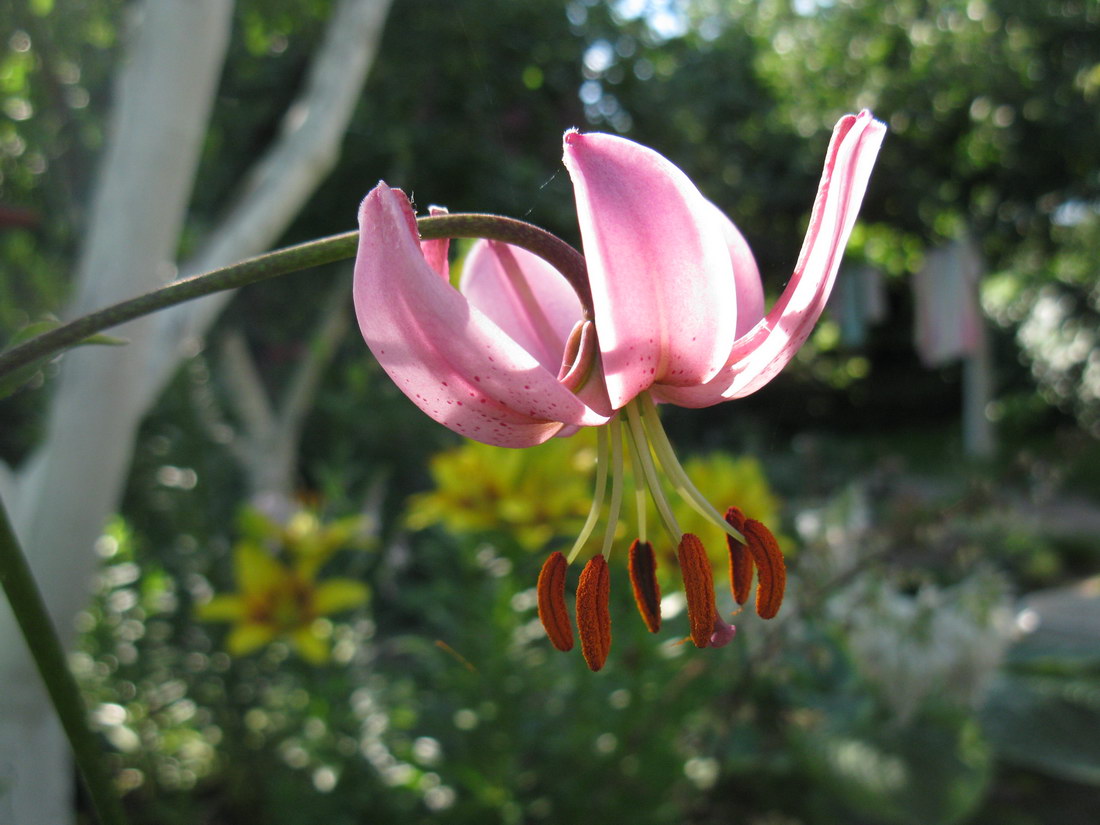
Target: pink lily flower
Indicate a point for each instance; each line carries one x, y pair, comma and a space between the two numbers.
677, 294
484, 360
511, 359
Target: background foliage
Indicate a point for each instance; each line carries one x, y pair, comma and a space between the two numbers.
906, 680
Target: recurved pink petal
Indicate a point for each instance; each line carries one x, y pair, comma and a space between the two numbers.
536, 306
746, 275
524, 295
658, 265
447, 356
761, 353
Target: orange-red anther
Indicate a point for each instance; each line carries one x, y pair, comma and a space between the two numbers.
593, 617
740, 558
698, 587
771, 571
643, 578
551, 594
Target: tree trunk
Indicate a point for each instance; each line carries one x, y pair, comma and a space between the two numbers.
164, 95
62, 497
282, 181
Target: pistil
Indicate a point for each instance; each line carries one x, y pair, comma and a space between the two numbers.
648, 471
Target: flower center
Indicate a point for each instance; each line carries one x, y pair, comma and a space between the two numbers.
750, 544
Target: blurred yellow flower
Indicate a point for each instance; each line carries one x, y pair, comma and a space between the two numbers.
725, 478
532, 495
543, 493
275, 600
305, 536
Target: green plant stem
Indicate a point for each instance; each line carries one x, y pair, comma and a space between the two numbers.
15, 574
293, 259
49, 655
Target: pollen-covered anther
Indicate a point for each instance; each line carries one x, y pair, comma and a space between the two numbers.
593, 616
551, 600
643, 578
740, 558
771, 571
698, 587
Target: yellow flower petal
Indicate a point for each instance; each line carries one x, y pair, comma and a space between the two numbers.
247, 638
310, 646
227, 608
334, 595
257, 572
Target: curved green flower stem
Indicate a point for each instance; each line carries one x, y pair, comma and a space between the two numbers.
49, 655
555, 251
15, 574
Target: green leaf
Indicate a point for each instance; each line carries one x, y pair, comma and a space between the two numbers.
1047, 722
935, 768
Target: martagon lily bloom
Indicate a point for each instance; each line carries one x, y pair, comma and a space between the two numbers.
672, 312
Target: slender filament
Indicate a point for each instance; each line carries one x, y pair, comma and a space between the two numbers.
616, 432
602, 452
650, 472
639, 483
679, 477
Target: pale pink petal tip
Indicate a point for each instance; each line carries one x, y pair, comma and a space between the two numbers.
760, 354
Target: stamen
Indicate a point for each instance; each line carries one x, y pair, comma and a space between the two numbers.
649, 471
551, 600
698, 587
597, 496
676, 473
740, 559
771, 571
643, 578
616, 433
639, 484
593, 617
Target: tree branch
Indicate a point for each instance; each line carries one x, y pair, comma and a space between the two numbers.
247, 393
282, 181
331, 330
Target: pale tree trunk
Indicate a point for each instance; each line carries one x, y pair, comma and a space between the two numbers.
61, 499
163, 95
306, 151
269, 434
